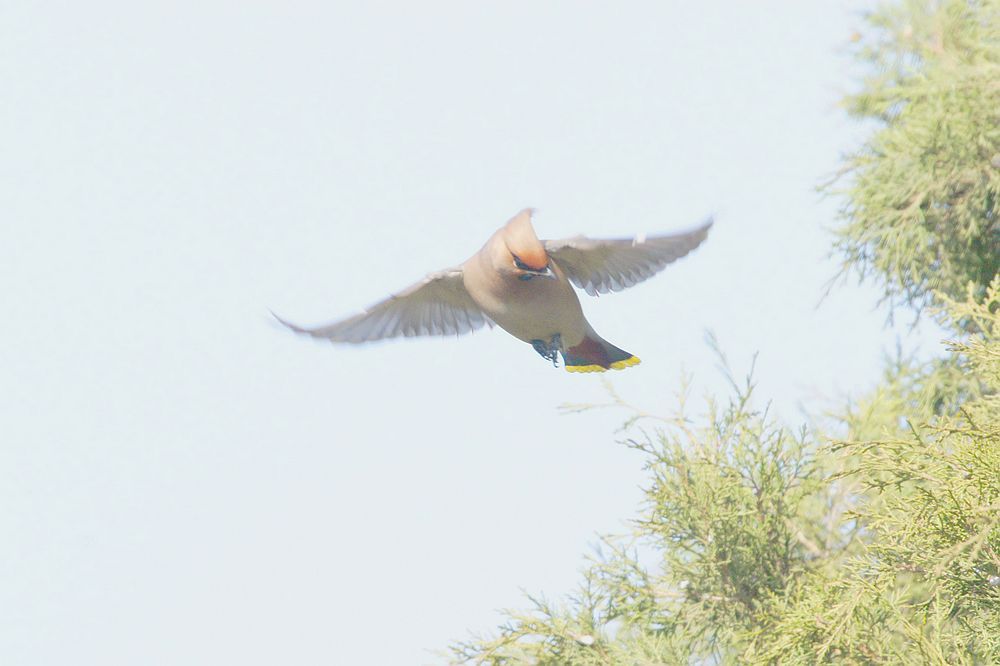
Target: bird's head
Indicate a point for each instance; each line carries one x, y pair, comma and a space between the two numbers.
524, 255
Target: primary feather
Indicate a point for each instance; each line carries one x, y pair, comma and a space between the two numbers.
599, 266
437, 305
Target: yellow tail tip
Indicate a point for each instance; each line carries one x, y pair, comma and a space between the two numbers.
585, 368
617, 365
626, 363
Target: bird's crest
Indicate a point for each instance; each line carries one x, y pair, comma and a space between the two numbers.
519, 237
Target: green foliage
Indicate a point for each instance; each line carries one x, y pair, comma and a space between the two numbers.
926, 586
735, 510
761, 545
775, 549
922, 193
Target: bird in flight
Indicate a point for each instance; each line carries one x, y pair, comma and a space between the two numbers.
525, 286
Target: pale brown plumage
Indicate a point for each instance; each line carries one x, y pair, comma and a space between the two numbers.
523, 285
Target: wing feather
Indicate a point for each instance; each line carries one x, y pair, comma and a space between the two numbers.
437, 305
599, 266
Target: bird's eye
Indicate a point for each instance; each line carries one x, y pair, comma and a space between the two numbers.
520, 264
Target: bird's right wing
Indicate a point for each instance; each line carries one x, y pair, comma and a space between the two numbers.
602, 265
437, 305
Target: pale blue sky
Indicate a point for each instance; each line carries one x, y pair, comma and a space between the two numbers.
183, 482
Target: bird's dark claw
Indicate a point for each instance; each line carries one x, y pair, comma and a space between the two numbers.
549, 350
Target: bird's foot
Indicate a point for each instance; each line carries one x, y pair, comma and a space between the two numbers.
549, 350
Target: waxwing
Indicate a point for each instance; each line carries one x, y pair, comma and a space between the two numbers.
525, 286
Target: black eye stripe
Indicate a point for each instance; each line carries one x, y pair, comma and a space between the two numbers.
520, 264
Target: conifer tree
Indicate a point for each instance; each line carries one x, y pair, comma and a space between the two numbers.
787, 546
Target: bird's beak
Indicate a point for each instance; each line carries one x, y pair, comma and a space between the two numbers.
545, 272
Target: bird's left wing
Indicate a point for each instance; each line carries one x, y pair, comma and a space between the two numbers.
602, 265
437, 305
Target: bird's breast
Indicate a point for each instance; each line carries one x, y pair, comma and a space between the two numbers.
534, 309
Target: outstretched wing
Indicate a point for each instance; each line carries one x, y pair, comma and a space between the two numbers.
603, 265
437, 305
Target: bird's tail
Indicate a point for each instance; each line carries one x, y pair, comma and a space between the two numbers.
595, 354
